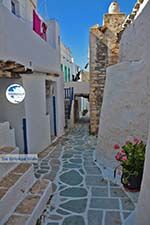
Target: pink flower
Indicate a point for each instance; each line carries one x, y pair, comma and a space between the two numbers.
128, 142
116, 147
122, 152
124, 158
117, 157
121, 155
137, 140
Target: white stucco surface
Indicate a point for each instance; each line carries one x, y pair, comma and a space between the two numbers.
60, 106
18, 42
143, 207
25, 8
14, 114
59, 93
67, 61
38, 123
33, 109
79, 87
7, 135
125, 106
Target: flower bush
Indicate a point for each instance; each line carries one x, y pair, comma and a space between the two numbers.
131, 157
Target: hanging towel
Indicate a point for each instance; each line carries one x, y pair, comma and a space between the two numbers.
44, 31
36, 23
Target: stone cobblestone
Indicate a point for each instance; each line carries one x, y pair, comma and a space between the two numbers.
81, 196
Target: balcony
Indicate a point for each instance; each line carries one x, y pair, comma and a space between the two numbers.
20, 44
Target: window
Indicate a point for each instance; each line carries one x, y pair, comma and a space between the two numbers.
62, 67
66, 77
69, 78
13, 7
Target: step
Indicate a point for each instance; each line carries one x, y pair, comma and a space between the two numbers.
5, 168
13, 188
32, 206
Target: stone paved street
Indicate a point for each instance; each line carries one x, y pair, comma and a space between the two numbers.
81, 196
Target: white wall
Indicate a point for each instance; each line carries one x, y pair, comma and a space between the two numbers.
60, 106
54, 35
125, 104
25, 8
68, 61
84, 104
79, 87
34, 110
14, 114
38, 123
7, 3
7, 135
143, 207
25, 46
29, 6
141, 214
59, 93
66, 55
58, 84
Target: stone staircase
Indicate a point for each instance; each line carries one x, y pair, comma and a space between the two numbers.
7, 146
22, 197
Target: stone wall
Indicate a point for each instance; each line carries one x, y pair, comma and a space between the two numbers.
98, 53
104, 51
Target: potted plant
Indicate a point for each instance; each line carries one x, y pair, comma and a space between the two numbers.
131, 157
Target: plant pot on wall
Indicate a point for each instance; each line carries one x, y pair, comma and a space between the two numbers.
131, 157
132, 183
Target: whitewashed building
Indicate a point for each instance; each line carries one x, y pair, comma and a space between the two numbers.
68, 66
74, 79
30, 56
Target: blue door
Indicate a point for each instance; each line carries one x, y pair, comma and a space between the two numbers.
54, 113
25, 136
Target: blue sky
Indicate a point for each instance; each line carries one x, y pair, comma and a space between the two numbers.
75, 19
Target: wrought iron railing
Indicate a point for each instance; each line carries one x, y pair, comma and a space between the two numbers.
69, 95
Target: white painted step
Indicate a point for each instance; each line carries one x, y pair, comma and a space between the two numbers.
5, 168
33, 205
13, 188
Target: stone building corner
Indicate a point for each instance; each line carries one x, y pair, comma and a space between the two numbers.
104, 51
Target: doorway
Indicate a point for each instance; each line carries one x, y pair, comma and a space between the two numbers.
51, 110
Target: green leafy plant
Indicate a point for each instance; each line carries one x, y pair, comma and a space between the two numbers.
38, 222
131, 157
85, 111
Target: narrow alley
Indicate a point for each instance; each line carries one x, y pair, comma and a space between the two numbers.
80, 196
75, 112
